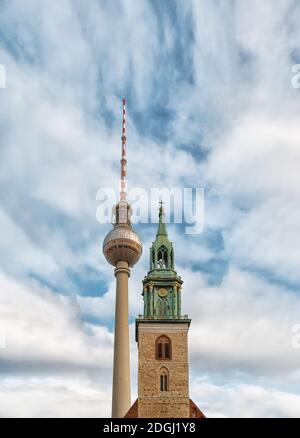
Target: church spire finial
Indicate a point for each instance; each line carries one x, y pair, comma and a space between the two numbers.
162, 229
123, 194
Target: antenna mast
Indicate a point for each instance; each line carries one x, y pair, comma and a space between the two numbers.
123, 194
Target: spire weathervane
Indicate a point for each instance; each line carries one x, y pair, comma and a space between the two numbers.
162, 229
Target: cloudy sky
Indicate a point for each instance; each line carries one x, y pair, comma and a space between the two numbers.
210, 104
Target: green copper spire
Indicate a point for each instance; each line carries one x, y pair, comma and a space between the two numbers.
162, 228
161, 252
162, 285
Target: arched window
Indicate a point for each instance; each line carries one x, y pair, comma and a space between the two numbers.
164, 379
163, 348
162, 257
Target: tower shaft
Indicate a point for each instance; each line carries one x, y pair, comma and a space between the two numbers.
121, 400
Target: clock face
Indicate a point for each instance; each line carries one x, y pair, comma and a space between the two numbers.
162, 292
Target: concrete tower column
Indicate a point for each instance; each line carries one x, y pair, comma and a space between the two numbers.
121, 399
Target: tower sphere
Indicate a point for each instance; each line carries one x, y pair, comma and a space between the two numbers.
122, 244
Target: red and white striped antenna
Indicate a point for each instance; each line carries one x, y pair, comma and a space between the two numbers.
123, 159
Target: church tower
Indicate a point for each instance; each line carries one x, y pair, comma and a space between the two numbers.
162, 337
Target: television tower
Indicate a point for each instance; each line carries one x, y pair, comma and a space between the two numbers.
122, 248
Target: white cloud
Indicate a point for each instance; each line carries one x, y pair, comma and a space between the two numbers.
243, 325
244, 400
44, 327
47, 349
54, 397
